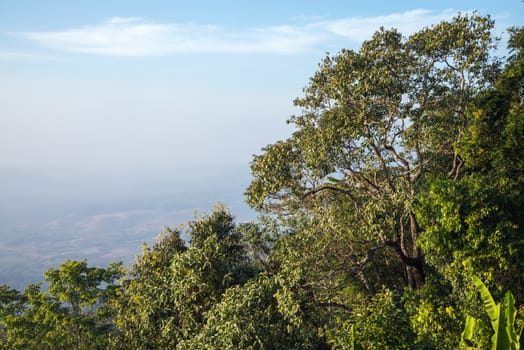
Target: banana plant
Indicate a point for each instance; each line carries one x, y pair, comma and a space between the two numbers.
502, 318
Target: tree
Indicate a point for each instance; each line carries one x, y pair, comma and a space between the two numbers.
474, 224
143, 306
71, 314
37, 321
172, 286
251, 316
376, 123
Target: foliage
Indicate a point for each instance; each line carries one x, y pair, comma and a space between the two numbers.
141, 306
250, 317
71, 314
475, 221
502, 318
375, 124
433, 314
382, 323
172, 286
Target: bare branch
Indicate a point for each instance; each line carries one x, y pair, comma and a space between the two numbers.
420, 162
365, 182
398, 158
382, 164
456, 165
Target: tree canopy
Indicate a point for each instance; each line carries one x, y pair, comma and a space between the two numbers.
376, 124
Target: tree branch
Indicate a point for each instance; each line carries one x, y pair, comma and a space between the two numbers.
420, 162
415, 262
397, 157
330, 188
367, 184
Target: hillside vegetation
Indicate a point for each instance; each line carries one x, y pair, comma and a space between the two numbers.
392, 218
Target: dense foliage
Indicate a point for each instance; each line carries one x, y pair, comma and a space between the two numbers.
403, 182
71, 314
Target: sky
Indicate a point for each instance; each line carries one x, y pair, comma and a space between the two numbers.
148, 87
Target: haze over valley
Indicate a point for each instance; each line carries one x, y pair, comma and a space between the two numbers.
48, 217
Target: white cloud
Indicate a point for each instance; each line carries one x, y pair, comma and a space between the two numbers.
359, 29
135, 36
117, 20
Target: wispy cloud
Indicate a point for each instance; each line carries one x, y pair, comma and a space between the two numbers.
24, 56
358, 29
135, 36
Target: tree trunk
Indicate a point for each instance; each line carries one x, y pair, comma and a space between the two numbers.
414, 261
416, 275
417, 269
369, 287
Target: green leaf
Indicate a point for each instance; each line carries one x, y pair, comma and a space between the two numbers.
467, 334
511, 312
496, 315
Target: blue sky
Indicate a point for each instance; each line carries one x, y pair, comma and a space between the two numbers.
169, 85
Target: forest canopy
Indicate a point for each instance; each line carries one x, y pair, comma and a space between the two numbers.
391, 218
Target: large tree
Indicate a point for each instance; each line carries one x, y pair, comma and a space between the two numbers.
375, 125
